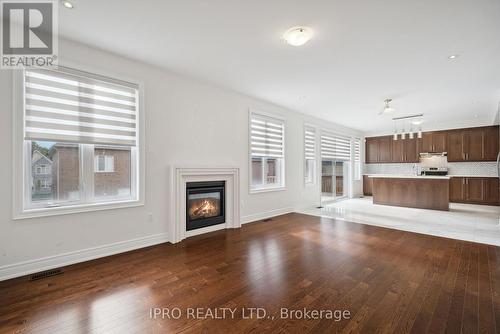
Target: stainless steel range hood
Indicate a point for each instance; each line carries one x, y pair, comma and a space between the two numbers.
433, 154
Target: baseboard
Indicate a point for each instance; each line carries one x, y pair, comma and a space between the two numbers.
265, 215
56, 261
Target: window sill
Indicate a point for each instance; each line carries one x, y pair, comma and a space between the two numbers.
266, 190
71, 209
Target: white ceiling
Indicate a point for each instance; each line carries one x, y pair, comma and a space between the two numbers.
362, 52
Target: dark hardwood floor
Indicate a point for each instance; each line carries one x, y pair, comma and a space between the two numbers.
390, 281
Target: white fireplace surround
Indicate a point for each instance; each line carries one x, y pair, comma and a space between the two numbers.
182, 175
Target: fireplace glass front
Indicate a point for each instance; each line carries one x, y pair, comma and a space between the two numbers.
204, 204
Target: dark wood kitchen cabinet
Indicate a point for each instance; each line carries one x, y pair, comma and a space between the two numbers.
432, 142
457, 189
491, 143
385, 149
411, 150
398, 151
456, 142
367, 186
378, 149
475, 190
474, 144
471, 144
371, 150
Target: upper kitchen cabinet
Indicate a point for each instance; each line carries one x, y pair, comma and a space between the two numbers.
385, 149
398, 151
433, 142
378, 149
456, 143
473, 144
371, 150
411, 150
491, 143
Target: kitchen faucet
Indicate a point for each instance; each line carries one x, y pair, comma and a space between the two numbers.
415, 169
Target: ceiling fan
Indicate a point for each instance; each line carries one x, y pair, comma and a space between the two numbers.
387, 108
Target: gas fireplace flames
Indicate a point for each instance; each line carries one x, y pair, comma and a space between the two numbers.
204, 209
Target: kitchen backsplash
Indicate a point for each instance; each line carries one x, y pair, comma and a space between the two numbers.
454, 168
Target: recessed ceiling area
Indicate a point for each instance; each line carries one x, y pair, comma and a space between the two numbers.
361, 53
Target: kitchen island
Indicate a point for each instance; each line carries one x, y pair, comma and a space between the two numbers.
423, 192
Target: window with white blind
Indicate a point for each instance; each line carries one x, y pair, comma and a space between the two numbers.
267, 153
85, 127
357, 159
309, 155
335, 146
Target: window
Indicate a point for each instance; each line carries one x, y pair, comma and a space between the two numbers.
104, 163
310, 155
266, 153
357, 159
113, 170
80, 137
42, 169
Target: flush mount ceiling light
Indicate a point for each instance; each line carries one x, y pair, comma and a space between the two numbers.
453, 56
387, 108
68, 4
297, 36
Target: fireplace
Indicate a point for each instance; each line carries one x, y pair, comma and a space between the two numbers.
205, 205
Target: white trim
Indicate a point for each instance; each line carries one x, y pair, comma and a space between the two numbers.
316, 154
264, 215
180, 175
56, 261
77, 208
267, 189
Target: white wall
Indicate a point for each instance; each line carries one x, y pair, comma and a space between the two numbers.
187, 122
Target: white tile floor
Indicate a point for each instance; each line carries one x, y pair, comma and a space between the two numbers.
476, 223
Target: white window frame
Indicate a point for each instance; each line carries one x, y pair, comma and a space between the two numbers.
356, 173
266, 187
21, 172
316, 152
107, 158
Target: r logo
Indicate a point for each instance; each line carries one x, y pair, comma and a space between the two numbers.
27, 28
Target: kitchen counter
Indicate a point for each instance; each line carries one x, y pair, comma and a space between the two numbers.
423, 192
480, 176
409, 176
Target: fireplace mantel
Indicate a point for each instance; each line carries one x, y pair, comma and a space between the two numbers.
179, 176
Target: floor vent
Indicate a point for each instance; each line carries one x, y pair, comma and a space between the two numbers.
267, 220
44, 274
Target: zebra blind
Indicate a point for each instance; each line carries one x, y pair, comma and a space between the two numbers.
357, 158
266, 136
310, 143
334, 146
72, 106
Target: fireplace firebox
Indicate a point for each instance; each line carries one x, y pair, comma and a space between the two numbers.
205, 204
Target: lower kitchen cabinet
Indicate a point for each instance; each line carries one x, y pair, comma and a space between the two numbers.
475, 190
367, 186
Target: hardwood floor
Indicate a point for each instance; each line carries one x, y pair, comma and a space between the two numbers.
390, 281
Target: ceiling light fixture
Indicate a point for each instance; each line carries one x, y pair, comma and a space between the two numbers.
412, 120
387, 108
297, 36
453, 57
68, 4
